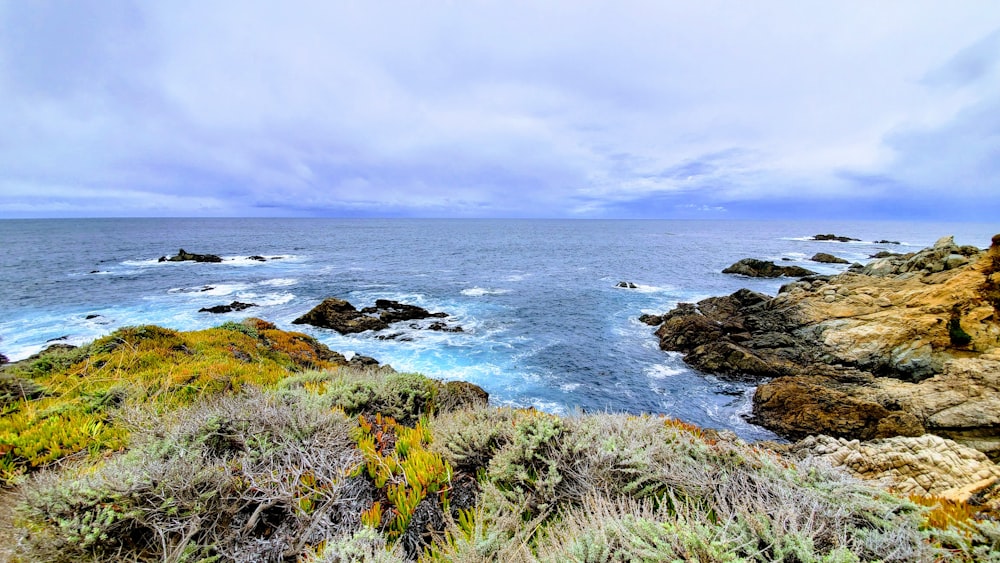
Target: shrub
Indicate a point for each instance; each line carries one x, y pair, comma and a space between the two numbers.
250, 477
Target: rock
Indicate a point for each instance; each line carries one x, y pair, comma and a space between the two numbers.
4, 359
626, 285
883, 241
91, 316
909, 345
444, 328
926, 465
257, 258
651, 320
234, 306
393, 311
884, 254
184, 256
835, 238
798, 406
340, 316
828, 258
754, 268
343, 317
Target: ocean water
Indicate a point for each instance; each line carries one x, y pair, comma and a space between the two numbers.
544, 324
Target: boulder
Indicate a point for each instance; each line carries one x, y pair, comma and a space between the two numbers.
234, 306
257, 258
626, 285
184, 256
751, 267
828, 258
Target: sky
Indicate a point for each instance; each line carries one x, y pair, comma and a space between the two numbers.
626, 109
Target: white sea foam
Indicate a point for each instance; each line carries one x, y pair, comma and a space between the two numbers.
279, 282
481, 291
568, 387
517, 277
663, 371
217, 289
151, 262
651, 288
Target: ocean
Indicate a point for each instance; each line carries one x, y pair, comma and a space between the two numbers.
544, 323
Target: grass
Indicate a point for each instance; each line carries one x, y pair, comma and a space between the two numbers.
244, 443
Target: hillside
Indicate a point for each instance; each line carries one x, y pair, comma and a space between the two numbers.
246, 443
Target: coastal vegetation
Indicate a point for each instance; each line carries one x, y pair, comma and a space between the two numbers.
248, 443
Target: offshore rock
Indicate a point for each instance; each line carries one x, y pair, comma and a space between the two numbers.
234, 306
751, 267
909, 345
825, 258
344, 318
835, 238
184, 256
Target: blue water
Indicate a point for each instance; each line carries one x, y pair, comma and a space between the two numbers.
544, 323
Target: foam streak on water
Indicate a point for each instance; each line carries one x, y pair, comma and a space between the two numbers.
544, 324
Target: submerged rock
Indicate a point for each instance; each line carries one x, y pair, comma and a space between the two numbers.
751, 267
184, 256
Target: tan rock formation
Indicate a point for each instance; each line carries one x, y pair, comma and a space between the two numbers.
927, 465
907, 344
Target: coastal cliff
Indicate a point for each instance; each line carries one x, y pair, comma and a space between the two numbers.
907, 345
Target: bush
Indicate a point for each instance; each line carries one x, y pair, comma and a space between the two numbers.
252, 477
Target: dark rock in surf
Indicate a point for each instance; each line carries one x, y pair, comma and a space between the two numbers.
626, 285
344, 318
257, 258
825, 258
184, 256
234, 306
836, 238
887, 242
751, 267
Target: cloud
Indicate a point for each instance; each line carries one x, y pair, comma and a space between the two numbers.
491, 109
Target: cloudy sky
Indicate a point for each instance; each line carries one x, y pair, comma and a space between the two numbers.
846, 109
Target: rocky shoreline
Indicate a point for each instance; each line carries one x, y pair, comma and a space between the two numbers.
906, 346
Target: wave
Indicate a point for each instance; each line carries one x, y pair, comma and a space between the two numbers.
279, 282
663, 371
481, 291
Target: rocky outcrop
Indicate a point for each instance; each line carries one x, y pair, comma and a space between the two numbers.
626, 285
927, 465
835, 238
344, 318
944, 255
257, 258
234, 306
909, 345
751, 267
184, 256
825, 258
